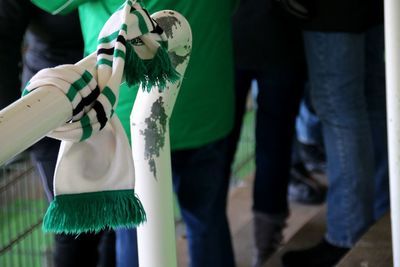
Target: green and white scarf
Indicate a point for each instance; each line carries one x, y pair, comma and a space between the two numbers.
94, 177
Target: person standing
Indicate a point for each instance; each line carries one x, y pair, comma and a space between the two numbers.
345, 54
269, 49
35, 39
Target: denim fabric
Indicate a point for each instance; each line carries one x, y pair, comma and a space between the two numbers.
126, 248
201, 185
375, 78
348, 92
44, 156
278, 98
308, 126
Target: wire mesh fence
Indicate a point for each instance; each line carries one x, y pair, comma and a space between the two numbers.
22, 206
243, 164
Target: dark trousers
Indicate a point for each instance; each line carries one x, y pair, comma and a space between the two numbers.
85, 250
201, 185
278, 98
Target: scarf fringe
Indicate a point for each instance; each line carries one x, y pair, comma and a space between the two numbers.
93, 212
153, 72
135, 68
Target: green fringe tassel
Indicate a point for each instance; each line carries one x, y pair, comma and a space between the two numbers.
135, 69
160, 70
93, 212
154, 72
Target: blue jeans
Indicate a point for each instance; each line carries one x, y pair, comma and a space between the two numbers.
201, 185
348, 92
126, 248
308, 126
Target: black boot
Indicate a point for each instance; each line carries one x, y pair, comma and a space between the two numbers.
323, 254
267, 235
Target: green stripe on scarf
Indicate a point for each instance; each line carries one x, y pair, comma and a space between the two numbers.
86, 127
78, 85
104, 61
119, 53
142, 24
107, 92
109, 38
87, 77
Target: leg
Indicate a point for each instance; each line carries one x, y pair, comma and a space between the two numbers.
337, 91
201, 185
274, 133
126, 248
336, 68
107, 249
375, 94
44, 156
309, 136
77, 251
308, 125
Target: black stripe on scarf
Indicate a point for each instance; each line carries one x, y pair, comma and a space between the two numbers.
110, 51
149, 17
158, 30
121, 39
86, 101
107, 51
100, 114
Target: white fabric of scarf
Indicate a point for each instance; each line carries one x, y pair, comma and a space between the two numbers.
93, 89
95, 153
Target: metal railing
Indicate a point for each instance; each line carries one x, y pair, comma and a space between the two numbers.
23, 204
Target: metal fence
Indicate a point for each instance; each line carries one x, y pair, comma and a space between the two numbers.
243, 164
22, 206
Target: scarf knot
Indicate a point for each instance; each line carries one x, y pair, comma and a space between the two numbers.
131, 47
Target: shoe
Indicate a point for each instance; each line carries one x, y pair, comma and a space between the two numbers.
267, 235
303, 188
313, 157
323, 254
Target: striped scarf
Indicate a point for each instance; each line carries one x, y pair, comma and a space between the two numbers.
94, 177
93, 88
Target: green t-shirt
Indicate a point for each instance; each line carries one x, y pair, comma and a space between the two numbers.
204, 108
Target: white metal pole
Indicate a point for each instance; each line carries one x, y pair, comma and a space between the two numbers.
151, 151
30, 118
392, 50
